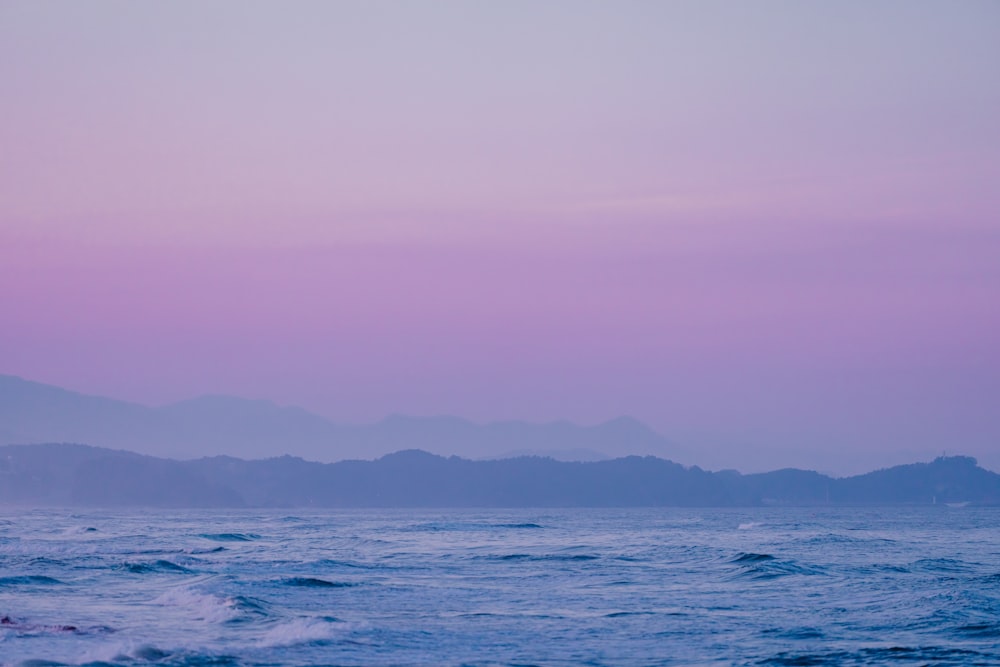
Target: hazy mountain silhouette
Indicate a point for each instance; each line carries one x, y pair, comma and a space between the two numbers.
67, 475
31, 412
64, 475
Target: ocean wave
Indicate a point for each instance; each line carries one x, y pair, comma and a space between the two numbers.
230, 537
837, 538
328, 562
749, 557
202, 552
29, 580
546, 557
766, 566
978, 630
203, 606
46, 561
156, 566
945, 565
156, 552
127, 653
299, 631
886, 654
796, 634
312, 582
249, 608
623, 614
469, 526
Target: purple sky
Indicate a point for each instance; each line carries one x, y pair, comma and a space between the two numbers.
771, 227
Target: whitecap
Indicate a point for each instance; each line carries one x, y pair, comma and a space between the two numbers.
298, 631
204, 606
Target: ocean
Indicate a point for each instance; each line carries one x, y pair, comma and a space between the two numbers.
769, 586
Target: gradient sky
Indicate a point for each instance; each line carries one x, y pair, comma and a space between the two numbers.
767, 229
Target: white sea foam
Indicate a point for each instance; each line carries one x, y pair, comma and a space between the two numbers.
121, 650
750, 525
298, 631
203, 606
108, 652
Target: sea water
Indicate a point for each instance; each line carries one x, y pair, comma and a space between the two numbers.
501, 587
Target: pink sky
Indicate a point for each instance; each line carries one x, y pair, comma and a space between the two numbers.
768, 227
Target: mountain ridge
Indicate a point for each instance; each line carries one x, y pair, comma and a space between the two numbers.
215, 424
61, 474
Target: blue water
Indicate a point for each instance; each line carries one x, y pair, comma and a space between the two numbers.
499, 587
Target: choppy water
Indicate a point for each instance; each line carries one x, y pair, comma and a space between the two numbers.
768, 586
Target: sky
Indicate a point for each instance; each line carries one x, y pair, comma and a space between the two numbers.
769, 230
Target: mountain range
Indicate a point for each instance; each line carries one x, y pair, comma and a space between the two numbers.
78, 475
32, 412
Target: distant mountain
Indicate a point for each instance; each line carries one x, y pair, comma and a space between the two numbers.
947, 479
67, 475
71, 475
223, 425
